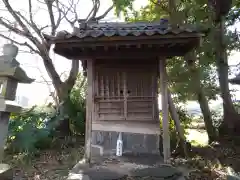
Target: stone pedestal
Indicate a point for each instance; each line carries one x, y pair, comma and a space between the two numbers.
104, 143
6, 172
4, 118
10, 75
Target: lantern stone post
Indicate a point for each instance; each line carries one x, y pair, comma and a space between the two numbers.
10, 75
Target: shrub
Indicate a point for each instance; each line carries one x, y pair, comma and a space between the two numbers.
35, 129
185, 121
27, 131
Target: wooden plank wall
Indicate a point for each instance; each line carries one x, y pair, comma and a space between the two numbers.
126, 90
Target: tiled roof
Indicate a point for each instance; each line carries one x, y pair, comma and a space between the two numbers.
95, 30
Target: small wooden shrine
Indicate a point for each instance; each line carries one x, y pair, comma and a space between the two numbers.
123, 62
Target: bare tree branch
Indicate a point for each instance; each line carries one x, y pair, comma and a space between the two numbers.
49, 4
42, 47
21, 44
12, 28
49, 83
44, 27
93, 12
34, 27
73, 73
30, 11
15, 16
89, 15
104, 14
59, 14
58, 10
96, 6
32, 24
65, 10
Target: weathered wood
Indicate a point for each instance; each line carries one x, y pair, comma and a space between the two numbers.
165, 118
127, 126
125, 94
128, 91
113, 53
89, 109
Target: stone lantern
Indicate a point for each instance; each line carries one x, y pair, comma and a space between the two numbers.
10, 75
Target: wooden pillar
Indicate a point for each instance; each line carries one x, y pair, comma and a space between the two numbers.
165, 116
89, 109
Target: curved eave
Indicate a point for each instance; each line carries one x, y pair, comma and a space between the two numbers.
158, 45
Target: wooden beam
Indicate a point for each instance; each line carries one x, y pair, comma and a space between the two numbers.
129, 44
135, 54
89, 109
165, 116
138, 127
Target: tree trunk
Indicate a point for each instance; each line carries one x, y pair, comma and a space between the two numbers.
231, 118
212, 135
63, 90
175, 117
202, 100
63, 96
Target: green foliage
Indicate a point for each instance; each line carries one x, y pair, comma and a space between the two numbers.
35, 129
197, 13
181, 79
217, 118
77, 106
185, 121
27, 131
122, 6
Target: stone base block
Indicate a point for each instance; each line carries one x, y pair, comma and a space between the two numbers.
6, 172
104, 143
97, 150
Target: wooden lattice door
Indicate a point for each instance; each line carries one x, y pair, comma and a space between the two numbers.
125, 93
109, 94
141, 95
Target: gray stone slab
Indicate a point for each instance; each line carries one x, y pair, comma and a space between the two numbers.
97, 151
142, 158
147, 166
117, 173
166, 172
136, 143
231, 177
105, 173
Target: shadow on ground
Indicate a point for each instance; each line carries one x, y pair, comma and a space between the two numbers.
143, 166
226, 153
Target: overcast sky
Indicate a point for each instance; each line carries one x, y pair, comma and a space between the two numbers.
38, 92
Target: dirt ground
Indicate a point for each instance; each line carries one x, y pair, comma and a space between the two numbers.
212, 160
47, 165
208, 162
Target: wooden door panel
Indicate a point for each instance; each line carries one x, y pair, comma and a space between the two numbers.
126, 93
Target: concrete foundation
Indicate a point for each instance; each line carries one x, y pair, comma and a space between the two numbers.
104, 143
